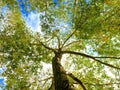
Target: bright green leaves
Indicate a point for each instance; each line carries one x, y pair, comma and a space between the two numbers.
94, 18
97, 22
21, 55
85, 18
109, 47
11, 4
93, 74
41, 5
94, 24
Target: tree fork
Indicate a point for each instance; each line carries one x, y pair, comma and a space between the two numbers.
61, 81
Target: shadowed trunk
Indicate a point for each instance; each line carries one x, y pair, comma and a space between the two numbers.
61, 81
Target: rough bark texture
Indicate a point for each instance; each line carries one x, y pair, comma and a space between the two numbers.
61, 81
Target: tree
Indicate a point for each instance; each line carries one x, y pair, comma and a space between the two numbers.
90, 43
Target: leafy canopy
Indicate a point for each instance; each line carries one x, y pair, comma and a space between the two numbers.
88, 32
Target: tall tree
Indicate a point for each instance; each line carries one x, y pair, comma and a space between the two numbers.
90, 42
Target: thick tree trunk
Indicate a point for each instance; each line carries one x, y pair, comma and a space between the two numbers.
61, 81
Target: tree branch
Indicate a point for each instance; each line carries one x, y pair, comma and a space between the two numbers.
77, 80
73, 42
45, 46
108, 57
58, 38
92, 57
103, 84
68, 38
82, 23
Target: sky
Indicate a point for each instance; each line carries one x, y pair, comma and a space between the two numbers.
33, 21
1, 71
2, 82
32, 18
2, 79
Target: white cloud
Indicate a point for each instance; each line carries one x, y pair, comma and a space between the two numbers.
33, 21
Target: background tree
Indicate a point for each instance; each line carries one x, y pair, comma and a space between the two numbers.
89, 45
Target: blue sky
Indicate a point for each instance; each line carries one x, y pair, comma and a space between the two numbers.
1, 71
2, 80
32, 17
33, 21
56, 3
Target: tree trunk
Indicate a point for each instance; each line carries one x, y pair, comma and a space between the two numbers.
61, 81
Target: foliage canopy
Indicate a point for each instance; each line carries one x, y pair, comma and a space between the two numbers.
86, 33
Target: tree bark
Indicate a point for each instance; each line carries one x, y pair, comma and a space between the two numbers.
61, 81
